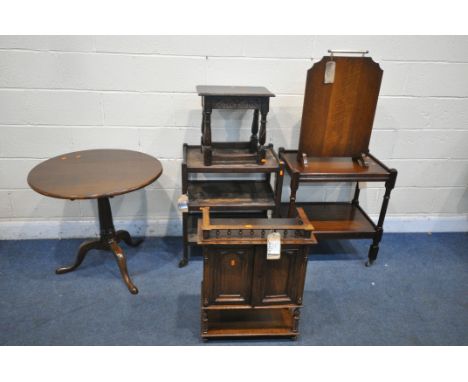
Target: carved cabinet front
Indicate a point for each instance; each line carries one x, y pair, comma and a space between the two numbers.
242, 275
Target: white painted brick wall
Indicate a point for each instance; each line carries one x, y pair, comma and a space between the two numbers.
172, 45
66, 93
48, 107
49, 43
28, 204
282, 76
413, 113
5, 204
34, 141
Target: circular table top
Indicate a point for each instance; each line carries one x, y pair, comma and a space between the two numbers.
92, 174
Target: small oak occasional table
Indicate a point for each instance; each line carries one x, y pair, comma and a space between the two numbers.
97, 174
234, 98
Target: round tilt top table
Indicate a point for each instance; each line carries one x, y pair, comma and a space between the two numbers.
97, 174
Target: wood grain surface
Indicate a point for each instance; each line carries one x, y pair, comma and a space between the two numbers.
94, 174
337, 118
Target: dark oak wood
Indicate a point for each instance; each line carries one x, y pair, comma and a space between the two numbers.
230, 270
231, 194
249, 323
340, 220
93, 174
228, 198
332, 220
97, 174
108, 241
219, 90
192, 219
195, 163
235, 97
284, 280
243, 293
296, 230
336, 127
334, 169
337, 117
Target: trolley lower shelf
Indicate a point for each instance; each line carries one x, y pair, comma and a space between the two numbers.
345, 220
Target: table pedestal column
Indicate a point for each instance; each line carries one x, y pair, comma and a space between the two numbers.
109, 239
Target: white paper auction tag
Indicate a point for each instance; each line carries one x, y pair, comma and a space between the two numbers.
182, 203
329, 72
273, 246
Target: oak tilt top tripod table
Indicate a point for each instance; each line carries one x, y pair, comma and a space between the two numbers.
97, 174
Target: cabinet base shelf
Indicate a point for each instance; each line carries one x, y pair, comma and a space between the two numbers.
272, 322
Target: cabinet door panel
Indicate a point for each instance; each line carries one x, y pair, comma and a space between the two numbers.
228, 275
279, 281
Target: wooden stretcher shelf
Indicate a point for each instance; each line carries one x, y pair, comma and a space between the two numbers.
235, 194
250, 322
336, 219
195, 163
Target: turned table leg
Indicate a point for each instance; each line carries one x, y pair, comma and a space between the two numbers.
292, 198
261, 151
374, 248
108, 240
254, 136
206, 138
264, 108
185, 258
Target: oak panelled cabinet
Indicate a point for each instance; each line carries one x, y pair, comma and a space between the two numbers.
244, 293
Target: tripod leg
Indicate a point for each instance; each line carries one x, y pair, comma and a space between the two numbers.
125, 236
82, 251
122, 263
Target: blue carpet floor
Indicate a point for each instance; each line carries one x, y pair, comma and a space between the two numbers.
415, 294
